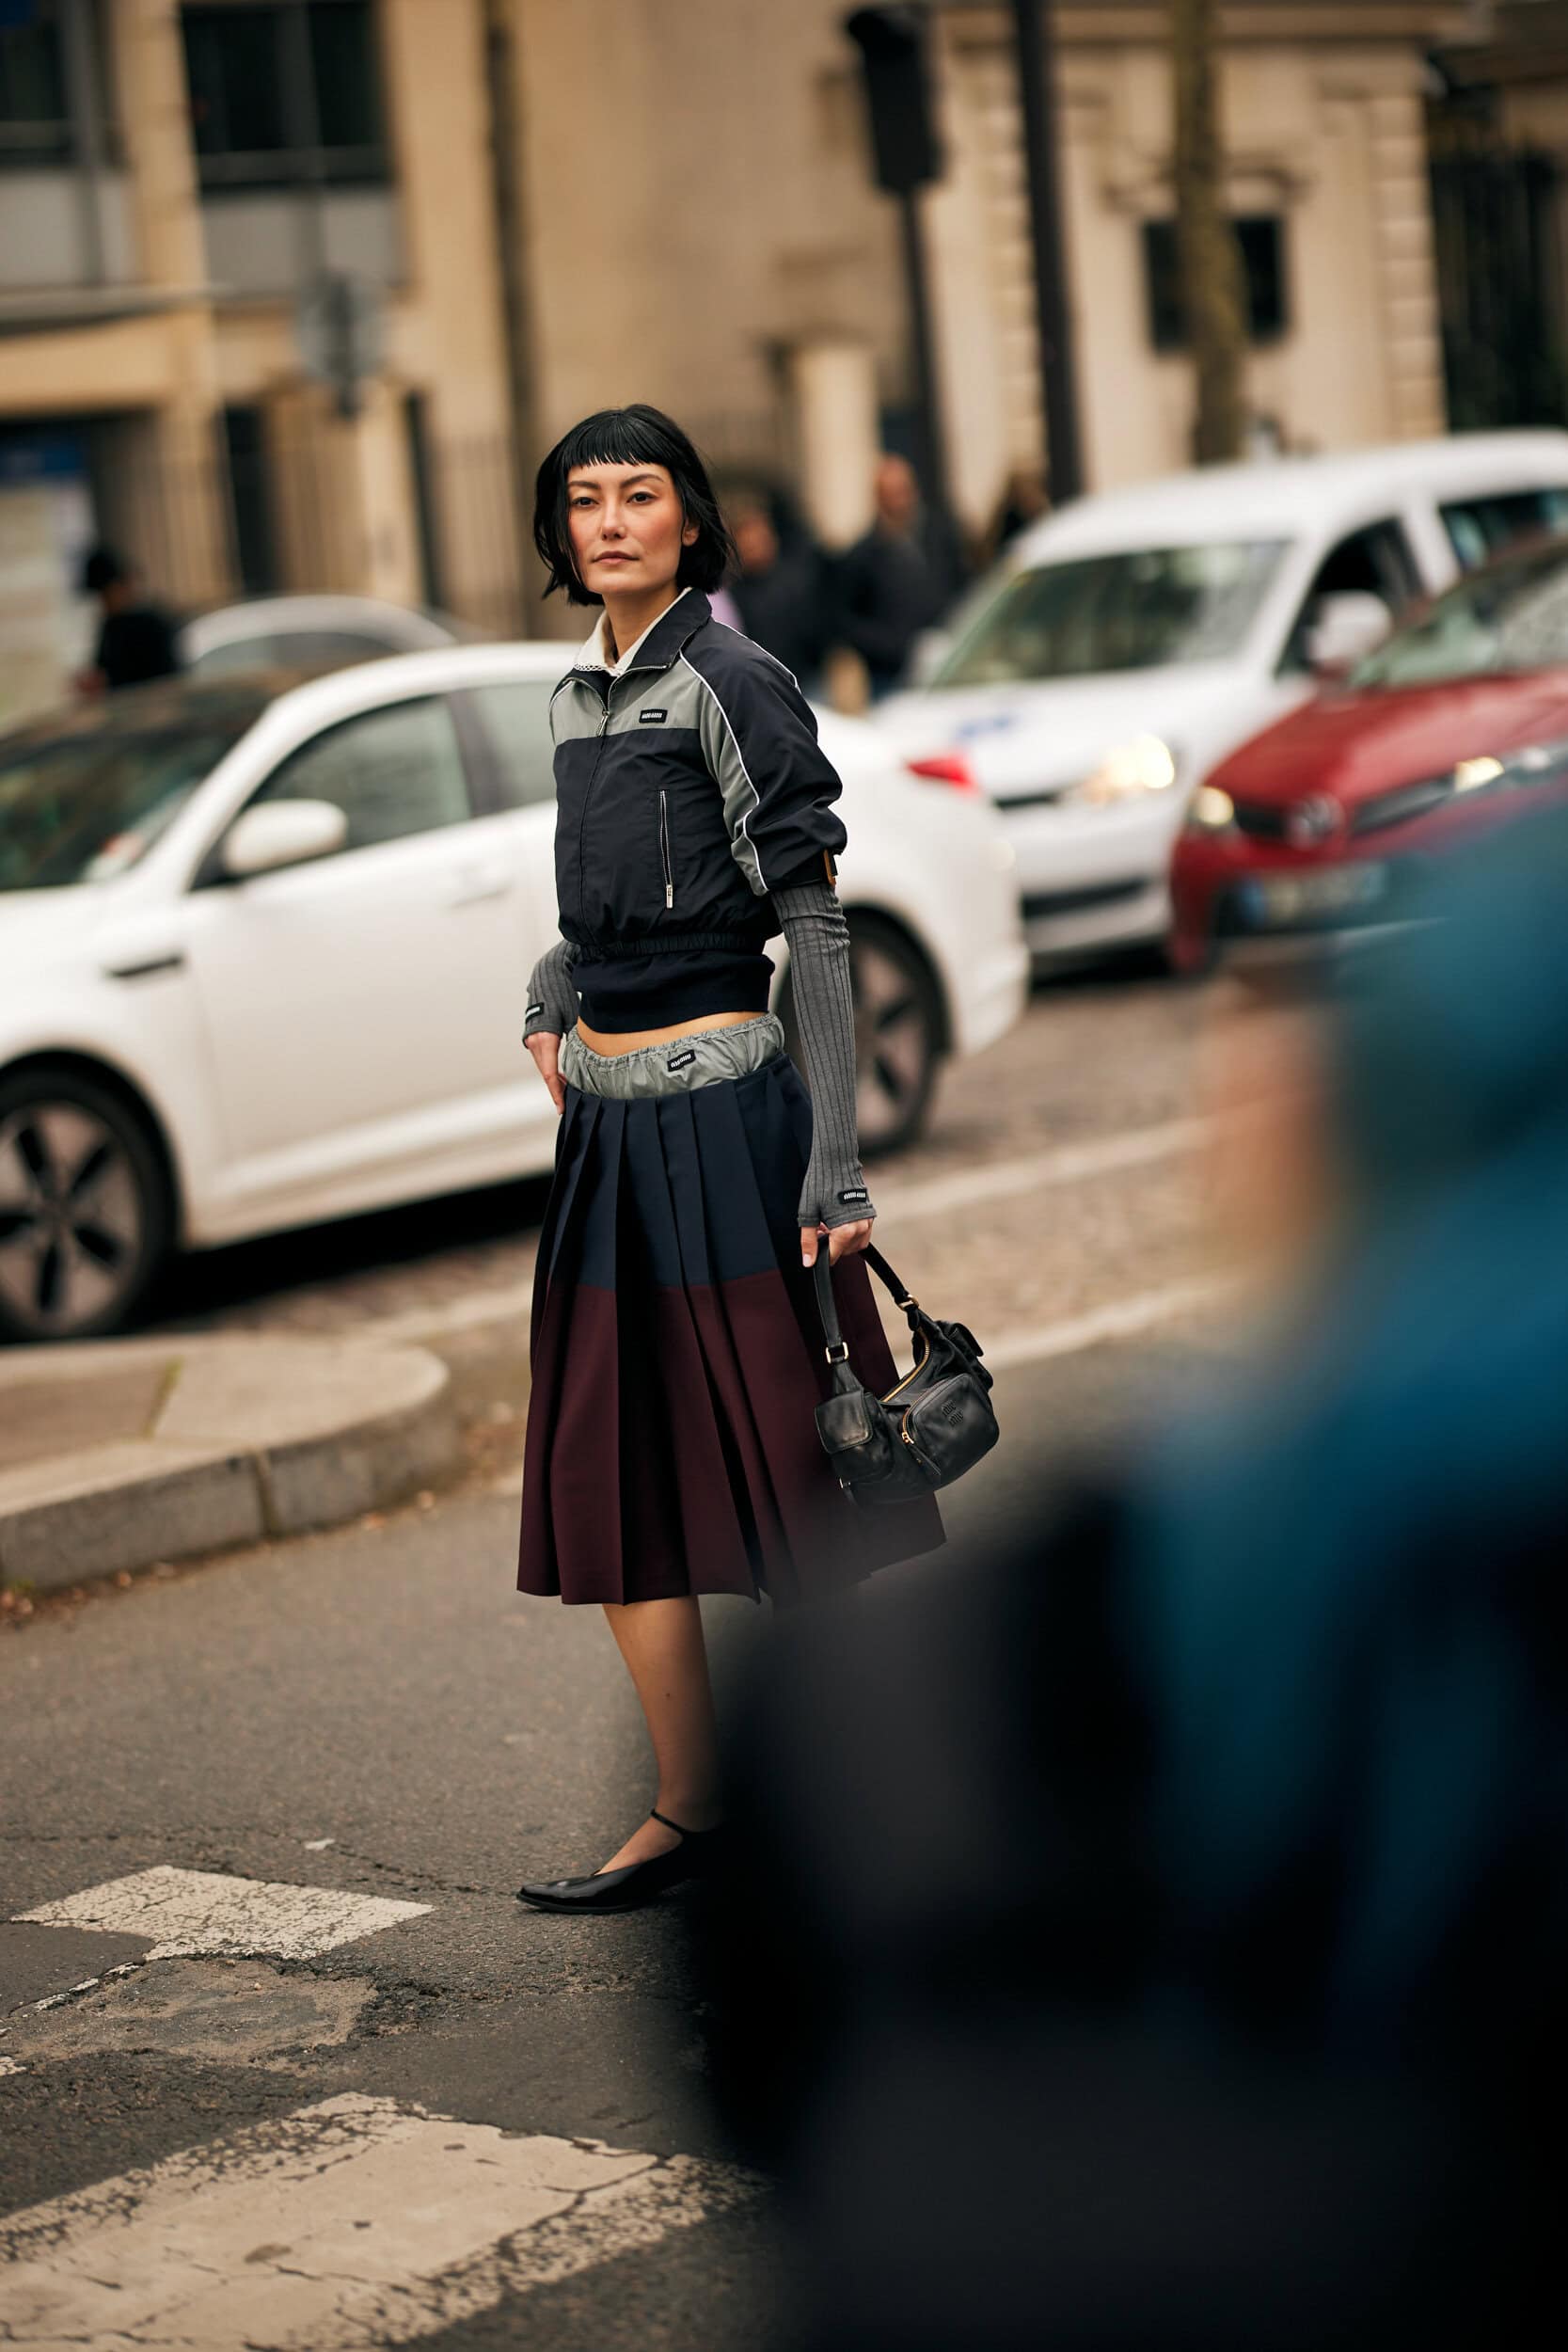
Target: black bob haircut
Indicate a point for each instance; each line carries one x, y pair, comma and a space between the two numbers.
638, 436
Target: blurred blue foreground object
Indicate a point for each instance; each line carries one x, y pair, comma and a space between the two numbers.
1158, 1937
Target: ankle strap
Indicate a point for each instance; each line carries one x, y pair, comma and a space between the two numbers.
654, 1815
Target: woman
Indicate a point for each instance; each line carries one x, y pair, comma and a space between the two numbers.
677, 1355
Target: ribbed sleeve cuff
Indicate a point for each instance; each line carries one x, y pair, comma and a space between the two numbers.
835, 1191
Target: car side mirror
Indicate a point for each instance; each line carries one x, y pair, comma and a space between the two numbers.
273, 834
1345, 626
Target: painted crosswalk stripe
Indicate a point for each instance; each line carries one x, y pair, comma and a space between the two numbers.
191, 1912
349, 2224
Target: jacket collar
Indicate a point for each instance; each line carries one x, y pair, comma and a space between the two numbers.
658, 646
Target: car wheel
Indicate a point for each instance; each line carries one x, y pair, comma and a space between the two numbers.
84, 1211
898, 1032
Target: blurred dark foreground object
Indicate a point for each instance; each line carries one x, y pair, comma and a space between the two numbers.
1158, 1937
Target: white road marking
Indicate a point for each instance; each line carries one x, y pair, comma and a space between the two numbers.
1121, 1319
1067, 1164
193, 1911
350, 2224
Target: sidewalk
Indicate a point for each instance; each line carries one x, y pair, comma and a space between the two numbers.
122, 1453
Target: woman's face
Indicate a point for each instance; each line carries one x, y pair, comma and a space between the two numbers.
627, 528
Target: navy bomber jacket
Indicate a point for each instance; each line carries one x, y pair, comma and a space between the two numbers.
664, 881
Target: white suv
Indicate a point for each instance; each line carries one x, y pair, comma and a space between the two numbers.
1125, 645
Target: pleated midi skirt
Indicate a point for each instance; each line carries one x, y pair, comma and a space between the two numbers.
677, 1361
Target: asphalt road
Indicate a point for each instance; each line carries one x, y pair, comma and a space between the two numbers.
376, 1718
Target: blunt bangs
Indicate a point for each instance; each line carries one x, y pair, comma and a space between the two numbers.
638, 436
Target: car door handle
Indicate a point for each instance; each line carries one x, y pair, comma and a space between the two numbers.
475, 883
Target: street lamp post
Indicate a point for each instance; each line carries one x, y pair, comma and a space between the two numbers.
1037, 78
892, 41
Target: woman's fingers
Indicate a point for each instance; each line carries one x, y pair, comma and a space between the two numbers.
842, 1241
546, 1048
845, 1240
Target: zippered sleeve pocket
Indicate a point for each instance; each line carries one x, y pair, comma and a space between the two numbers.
664, 855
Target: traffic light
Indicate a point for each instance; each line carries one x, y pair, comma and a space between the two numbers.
893, 46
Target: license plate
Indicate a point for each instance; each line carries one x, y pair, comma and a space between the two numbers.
1270, 900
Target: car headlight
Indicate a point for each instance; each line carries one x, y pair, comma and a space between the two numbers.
1535, 763
1210, 810
1146, 764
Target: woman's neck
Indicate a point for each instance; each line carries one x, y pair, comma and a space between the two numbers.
627, 616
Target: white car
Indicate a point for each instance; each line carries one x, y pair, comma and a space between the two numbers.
264, 947
1128, 643
310, 632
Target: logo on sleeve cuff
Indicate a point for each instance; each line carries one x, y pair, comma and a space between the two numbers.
855, 1198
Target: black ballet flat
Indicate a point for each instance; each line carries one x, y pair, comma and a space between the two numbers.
639, 1883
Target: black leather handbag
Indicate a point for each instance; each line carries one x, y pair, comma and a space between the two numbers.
930, 1428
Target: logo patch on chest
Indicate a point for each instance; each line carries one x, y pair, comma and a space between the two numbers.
682, 1062
652, 718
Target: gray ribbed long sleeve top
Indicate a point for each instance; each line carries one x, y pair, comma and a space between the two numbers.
834, 1190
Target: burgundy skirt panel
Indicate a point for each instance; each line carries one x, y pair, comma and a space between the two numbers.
677, 1361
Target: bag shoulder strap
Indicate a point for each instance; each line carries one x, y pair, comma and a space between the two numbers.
826, 1306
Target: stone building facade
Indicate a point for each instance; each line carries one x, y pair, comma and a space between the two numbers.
542, 220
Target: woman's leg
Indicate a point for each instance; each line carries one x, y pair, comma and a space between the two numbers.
661, 1642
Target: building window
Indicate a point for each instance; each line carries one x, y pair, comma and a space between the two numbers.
53, 95
286, 94
34, 118
1261, 238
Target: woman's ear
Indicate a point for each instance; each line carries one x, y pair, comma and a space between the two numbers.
691, 535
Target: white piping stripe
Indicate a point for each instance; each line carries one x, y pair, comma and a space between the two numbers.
757, 796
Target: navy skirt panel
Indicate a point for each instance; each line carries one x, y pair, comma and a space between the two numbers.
677, 1361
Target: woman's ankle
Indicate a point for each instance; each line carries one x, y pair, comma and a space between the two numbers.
691, 1810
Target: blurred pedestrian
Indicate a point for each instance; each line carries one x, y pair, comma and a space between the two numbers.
137, 641
1023, 500
1157, 1939
676, 1347
781, 593
900, 579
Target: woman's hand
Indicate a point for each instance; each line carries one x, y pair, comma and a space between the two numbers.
546, 1048
843, 1241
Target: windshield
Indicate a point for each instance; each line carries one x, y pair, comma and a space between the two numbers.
83, 797
1136, 610
1512, 616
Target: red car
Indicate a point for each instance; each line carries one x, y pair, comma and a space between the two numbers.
1458, 723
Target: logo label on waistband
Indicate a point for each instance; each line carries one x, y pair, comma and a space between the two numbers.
679, 1061
652, 718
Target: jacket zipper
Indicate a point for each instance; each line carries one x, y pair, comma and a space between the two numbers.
664, 849
587, 796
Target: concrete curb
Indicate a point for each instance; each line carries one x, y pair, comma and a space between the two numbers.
250, 1438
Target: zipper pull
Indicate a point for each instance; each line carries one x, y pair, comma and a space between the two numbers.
669, 894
